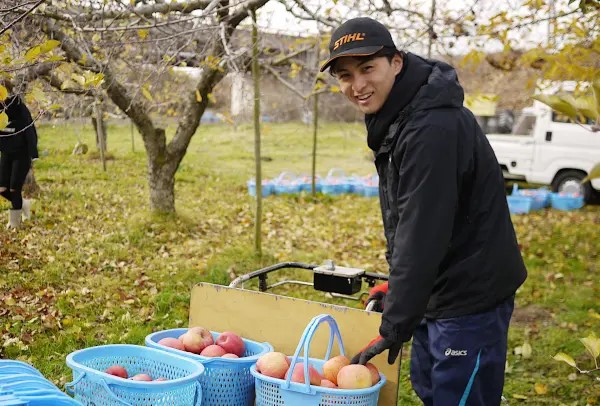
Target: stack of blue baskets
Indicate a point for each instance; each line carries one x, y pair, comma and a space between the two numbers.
525, 200
23, 385
334, 184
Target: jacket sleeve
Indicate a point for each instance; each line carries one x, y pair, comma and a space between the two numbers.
427, 200
30, 131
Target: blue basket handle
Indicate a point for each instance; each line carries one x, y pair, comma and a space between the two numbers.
70, 391
69, 386
305, 342
112, 394
284, 175
198, 394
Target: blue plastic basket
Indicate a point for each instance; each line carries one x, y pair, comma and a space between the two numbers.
519, 204
283, 392
93, 386
540, 197
267, 188
566, 201
226, 381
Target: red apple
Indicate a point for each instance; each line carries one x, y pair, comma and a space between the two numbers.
273, 364
229, 355
332, 366
141, 377
313, 375
374, 373
354, 376
231, 343
117, 370
213, 351
172, 342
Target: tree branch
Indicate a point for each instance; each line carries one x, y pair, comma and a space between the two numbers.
22, 16
115, 90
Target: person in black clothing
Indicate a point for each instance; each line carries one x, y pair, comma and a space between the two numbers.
18, 147
453, 256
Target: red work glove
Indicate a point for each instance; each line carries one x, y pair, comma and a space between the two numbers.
377, 294
375, 347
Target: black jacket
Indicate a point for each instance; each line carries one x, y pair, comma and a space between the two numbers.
20, 136
452, 248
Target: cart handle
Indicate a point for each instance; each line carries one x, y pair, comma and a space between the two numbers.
264, 271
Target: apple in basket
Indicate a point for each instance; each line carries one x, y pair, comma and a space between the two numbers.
354, 376
172, 342
196, 339
332, 366
231, 343
313, 375
213, 351
273, 364
327, 384
229, 355
374, 373
117, 370
141, 377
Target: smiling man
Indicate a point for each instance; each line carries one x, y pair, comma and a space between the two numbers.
452, 252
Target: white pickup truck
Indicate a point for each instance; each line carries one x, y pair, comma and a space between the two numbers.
543, 149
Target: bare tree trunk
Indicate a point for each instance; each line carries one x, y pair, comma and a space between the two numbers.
100, 133
256, 79
161, 172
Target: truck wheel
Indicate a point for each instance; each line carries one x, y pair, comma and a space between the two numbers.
569, 182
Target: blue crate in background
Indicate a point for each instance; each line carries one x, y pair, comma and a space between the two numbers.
566, 201
540, 197
267, 188
519, 204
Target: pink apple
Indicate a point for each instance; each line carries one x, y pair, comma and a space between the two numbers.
141, 377
192, 342
313, 375
354, 376
229, 355
205, 334
374, 373
117, 370
161, 379
332, 366
213, 351
273, 364
327, 384
231, 343
172, 342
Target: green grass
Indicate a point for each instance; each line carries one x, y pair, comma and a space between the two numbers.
95, 266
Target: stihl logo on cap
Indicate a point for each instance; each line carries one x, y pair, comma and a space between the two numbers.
357, 36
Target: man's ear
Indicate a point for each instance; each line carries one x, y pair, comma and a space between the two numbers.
397, 64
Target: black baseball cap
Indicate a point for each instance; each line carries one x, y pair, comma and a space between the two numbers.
361, 36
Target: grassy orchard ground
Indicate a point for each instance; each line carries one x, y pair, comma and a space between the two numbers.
95, 267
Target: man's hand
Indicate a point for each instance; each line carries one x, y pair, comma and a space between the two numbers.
377, 296
375, 347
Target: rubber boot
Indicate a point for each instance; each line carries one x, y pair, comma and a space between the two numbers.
14, 219
26, 209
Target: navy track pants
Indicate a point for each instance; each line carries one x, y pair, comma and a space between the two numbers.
460, 361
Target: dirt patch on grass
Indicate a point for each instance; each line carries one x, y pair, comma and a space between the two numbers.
530, 314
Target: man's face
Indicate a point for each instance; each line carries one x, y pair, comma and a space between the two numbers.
367, 84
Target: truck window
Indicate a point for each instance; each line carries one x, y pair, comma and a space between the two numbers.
562, 118
524, 125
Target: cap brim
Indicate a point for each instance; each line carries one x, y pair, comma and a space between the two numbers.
363, 51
